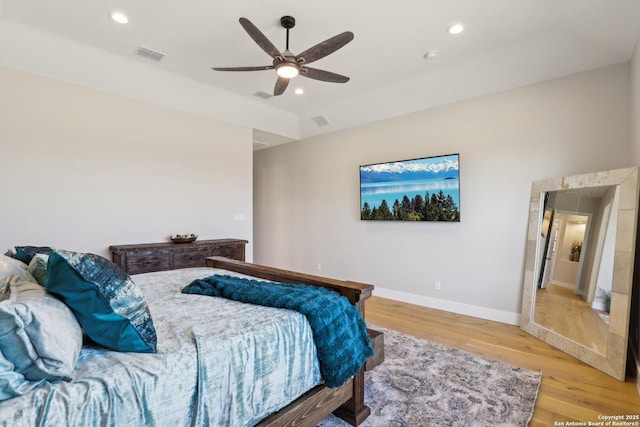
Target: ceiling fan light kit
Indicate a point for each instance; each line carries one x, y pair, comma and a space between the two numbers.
288, 65
286, 70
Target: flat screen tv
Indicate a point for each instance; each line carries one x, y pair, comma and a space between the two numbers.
425, 189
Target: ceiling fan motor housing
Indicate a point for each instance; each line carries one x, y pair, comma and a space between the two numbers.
288, 22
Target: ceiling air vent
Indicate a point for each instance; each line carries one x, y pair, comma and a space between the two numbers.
262, 94
148, 53
321, 120
257, 145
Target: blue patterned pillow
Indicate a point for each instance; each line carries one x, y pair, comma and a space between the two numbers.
108, 305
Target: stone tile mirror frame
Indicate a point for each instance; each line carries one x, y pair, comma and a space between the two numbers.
626, 180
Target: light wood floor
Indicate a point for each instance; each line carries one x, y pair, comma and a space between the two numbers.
559, 309
570, 389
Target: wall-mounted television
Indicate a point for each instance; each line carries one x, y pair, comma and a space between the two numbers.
424, 189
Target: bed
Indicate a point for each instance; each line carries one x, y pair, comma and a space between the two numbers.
189, 380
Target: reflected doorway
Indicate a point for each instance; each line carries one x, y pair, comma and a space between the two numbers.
568, 233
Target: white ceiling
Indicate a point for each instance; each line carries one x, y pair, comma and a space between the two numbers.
506, 44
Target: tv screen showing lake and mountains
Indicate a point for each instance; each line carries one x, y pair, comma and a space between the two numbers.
424, 189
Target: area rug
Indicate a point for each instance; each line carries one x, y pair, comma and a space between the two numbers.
423, 384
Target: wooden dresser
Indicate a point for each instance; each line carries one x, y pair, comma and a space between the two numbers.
148, 257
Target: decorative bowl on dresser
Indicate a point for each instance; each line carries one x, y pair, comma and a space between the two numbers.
183, 238
148, 257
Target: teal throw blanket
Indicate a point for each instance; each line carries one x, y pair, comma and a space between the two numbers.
340, 333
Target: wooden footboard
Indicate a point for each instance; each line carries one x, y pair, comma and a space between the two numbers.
347, 401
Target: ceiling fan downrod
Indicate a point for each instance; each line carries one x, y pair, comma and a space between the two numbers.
288, 22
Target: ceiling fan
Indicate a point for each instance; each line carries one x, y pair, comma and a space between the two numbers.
288, 65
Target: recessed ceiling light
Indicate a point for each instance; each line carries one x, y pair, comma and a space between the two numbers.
456, 29
119, 17
431, 54
299, 91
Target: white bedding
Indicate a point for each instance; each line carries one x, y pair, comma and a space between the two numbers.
219, 363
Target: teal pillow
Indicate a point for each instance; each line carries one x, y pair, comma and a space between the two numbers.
26, 253
12, 270
12, 383
38, 333
108, 304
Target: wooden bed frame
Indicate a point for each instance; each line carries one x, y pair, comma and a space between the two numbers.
347, 401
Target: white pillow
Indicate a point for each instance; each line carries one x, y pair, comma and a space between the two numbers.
11, 271
38, 268
38, 333
11, 382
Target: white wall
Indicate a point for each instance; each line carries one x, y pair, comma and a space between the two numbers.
83, 169
306, 204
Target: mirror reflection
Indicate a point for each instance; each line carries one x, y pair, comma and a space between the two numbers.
579, 265
575, 256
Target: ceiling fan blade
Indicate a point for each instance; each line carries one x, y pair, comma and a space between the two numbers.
261, 68
260, 39
325, 76
325, 48
281, 85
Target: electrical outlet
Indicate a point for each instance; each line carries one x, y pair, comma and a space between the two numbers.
437, 285
319, 266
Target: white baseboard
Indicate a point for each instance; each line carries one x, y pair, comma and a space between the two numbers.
451, 306
563, 284
598, 304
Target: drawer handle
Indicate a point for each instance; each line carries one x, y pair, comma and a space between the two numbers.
150, 261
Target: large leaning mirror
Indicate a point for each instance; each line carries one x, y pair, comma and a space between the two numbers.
579, 265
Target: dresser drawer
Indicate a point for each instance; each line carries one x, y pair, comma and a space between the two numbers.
188, 259
148, 257
148, 262
233, 252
